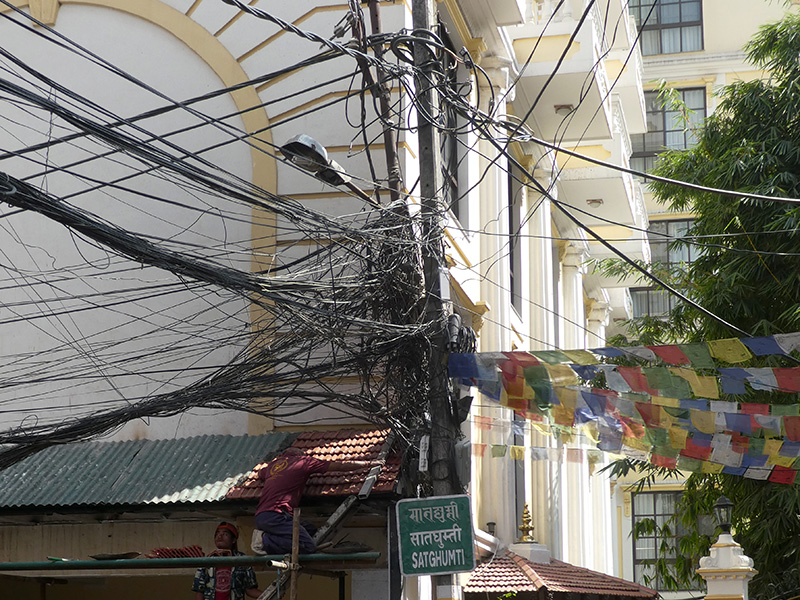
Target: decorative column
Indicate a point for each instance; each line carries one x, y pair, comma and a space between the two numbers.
727, 570
596, 322
576, 525
494, 269
573, 268
543, 275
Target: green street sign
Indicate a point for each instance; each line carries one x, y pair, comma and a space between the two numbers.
435, 535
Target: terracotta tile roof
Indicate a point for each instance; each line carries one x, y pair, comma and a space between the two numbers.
342, 445
513, 573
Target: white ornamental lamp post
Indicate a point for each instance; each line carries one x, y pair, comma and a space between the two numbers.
727, 571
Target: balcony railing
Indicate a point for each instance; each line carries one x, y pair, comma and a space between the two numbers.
543, 9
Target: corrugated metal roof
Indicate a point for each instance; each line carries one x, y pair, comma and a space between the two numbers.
195, 469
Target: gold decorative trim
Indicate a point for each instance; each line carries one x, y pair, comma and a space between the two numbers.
457, 247
45, 11
475, 46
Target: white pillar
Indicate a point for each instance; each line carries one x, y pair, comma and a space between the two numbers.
496, 477
573, 267
727, 570
596, 322
544, 307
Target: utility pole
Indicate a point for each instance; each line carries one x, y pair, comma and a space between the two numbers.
437, 286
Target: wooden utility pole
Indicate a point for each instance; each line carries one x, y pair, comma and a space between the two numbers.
295, 554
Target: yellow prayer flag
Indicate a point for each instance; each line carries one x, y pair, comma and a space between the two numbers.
704, 420
567, 436
772, 447
517, 452
731, 350
528, 392
581, 357
664, 401
702, 386
635, 443
563, 415
677, 437
568, 397
781, 461
705, 386
665, 420
542, 428
561, 375
590, 430
709, 467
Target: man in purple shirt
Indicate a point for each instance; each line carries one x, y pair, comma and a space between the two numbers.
283, 480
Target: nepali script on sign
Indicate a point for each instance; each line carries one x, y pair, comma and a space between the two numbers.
435, 535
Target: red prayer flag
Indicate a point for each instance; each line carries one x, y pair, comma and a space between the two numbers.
751, 408
670, 354
517, 403
483, 423
788, 379
693, 450
739, 443
782, 475
634, 377
651, 414
524, 359
631, 428
664, 461
792, 427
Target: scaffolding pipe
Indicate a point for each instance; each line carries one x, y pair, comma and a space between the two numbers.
178, 563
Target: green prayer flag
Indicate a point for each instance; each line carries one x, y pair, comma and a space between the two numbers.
499, 450
689, 464
551, 357
699, 355
786, 410
756, 447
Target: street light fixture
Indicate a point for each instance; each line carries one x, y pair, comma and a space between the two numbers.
308, 154
723, 509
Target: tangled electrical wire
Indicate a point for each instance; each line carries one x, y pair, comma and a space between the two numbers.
312, 312
186, 286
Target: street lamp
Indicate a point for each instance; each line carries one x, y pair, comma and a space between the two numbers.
308, 154
723, 509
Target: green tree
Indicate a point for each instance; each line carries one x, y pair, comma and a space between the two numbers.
748, 274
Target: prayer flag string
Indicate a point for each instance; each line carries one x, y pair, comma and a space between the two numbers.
680, 411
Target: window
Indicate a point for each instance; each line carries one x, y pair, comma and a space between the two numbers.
668, 26
658, 303
456, 79
668, 128
651, 302
650, 543
662, 233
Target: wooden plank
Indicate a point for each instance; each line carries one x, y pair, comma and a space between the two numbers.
295, 555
